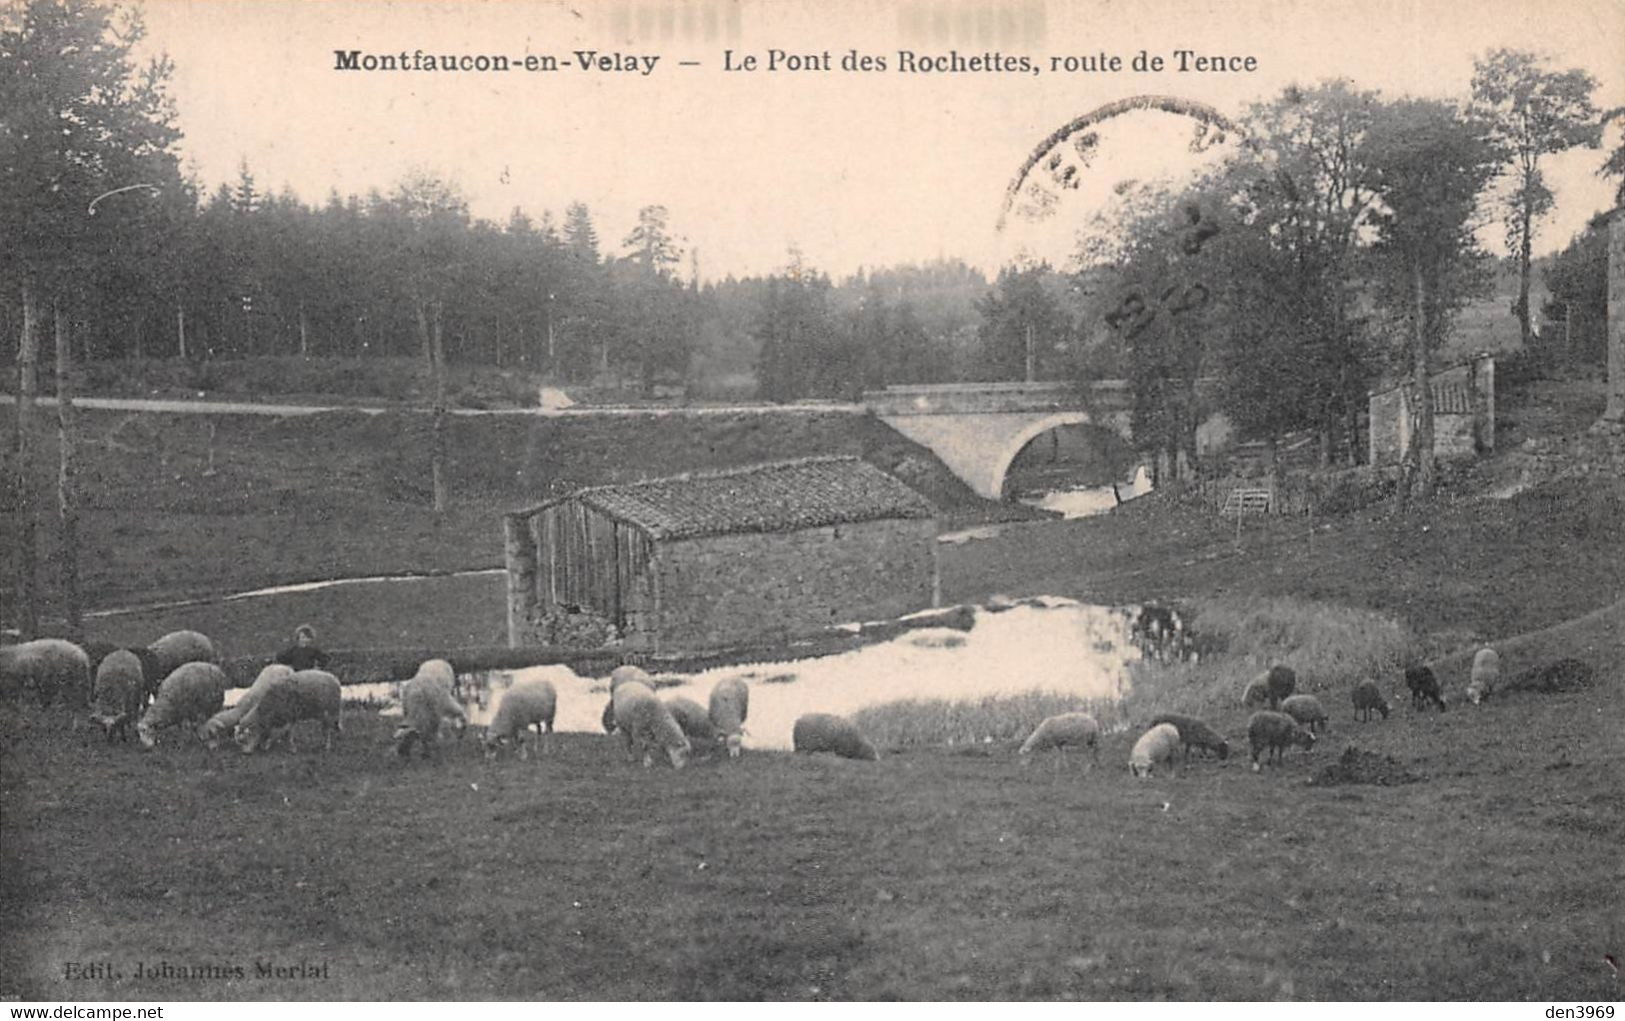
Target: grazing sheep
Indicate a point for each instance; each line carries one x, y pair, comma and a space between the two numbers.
1275, 732
1282, 682
120, 693
694, 721
1194, 733
1306, 709
427, 706
523, 705
302, 695
617, 677
826, 732
1063, 731
50, 666
224, 723
191, 693
1257, 693
629, 672
1424, 687
180, 647
1159, 744
440, 671
97, 651
1486, 675
729, 704
1367, 696
648, 724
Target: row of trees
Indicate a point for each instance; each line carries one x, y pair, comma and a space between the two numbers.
1336, 245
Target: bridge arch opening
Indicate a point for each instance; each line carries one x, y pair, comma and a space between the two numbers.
1007, 454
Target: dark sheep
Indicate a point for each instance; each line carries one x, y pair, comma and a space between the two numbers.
1367, 696
1194, 733
1307, 710
1282, 682
825, 732
1424, 687
1274, 732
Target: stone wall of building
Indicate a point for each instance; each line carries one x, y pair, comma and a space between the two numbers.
1463, 414
744, 588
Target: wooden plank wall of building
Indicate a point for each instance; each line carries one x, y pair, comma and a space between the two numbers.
588, 559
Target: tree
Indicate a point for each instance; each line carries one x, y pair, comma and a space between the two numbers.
1427, 165
1531, 112
1614, 165
1578, 280
1301, 185
1021, 321
436, 217
82, 123
650, 243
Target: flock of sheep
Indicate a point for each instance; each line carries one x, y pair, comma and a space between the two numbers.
1291, 720
177, 680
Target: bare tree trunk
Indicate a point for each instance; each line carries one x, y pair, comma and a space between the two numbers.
1423, 439
180, 329
27, 525
66, 491
304, 332
437, 351
1524, 245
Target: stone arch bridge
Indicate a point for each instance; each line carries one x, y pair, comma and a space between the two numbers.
977, 429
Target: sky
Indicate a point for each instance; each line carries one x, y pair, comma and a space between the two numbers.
853, 168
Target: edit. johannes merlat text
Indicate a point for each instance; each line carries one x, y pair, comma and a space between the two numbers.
218, 972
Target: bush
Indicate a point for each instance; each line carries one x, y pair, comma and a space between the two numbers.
1330, 647
994, 719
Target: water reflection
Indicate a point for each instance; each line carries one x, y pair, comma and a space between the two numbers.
1043, 645
1080, 503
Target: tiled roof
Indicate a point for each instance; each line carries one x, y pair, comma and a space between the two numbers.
782, 496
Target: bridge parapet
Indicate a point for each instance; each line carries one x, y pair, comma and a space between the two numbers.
1100, 397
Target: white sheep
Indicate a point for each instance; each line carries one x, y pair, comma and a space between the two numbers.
629, 672
648, 724
729, 704
440, 671
224, 723
302, 695
120, 693
1486, 676
617, 677
428, 706
1306, 709
191, 693
523, 705
695, 722
50, 666
180, 647
1159, 744
1064, 731
1274, 732
826, 732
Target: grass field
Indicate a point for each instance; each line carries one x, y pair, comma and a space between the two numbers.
934, 873
938, 872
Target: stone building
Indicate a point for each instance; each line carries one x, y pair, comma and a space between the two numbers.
1463, 414
726, 558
